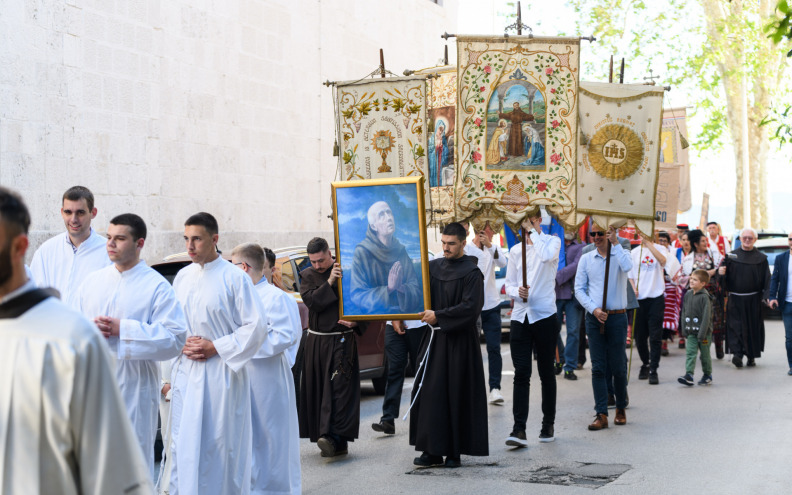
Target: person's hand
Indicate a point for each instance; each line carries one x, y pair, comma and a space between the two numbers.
429, 317
600, 315
108, 326
536, 223
199, 348
348, 324
335, 274
773, 303
484, 239
722, 270
165, 389
523, 292
612, 236
398, 327
395, 277
646, 242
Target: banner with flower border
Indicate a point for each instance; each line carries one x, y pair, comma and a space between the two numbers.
516, 128
441, 100
619, 151
381, 127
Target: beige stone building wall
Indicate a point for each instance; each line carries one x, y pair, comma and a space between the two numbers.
168, 107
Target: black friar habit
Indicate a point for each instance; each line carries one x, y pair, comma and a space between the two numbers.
330, 384
747, 279
449, 416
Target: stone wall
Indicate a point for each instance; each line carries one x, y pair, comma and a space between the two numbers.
166, 108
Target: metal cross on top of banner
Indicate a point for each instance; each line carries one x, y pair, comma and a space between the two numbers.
518, 26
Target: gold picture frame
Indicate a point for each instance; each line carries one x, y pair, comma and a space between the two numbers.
380, 243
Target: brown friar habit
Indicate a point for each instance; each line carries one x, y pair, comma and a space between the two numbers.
449, 416
330, 384
747, 272
517, 117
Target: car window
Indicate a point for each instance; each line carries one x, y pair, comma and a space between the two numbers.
772, 252
287, 276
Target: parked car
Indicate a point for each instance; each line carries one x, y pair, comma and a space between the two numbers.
761, 235
286, 275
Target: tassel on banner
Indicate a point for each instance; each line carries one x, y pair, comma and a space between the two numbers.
336, 150
683, 142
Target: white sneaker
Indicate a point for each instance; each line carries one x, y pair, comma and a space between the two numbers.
495, 397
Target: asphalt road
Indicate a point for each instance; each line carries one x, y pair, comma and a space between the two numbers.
729, 437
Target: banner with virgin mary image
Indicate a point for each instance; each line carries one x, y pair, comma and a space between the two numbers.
619, 152
516, 128
381, 124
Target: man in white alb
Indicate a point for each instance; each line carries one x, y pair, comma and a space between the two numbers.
64, 425
137, 311
276, 433
210, 448
63, 261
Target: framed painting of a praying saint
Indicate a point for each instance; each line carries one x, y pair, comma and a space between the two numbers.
380, 241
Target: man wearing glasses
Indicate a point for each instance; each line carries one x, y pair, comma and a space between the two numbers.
781, 296
746, 276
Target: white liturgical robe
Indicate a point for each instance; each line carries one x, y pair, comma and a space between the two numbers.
153, 328
210, 444
58, 265
63, 428
276, 432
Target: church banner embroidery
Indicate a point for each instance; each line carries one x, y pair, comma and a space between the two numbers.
619, 150
516, 128
381, 126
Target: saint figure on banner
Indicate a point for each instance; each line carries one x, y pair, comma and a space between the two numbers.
534, 148
497, 149
517, 117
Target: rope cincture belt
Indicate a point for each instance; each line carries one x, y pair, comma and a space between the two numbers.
743, 294
330, 333
424, 364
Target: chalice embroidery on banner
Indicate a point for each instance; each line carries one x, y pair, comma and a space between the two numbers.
383, 143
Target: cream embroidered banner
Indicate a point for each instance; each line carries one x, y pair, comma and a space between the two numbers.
619, 150
381, 124
667, 197
516, 128
672, 152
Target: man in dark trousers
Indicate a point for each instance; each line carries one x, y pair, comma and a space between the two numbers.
781, 296
329, 411
449, 411
747, 278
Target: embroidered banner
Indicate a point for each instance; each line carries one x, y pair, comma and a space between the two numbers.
667, 197
441, 97
672, 152
516, 128
381, 125
619, 151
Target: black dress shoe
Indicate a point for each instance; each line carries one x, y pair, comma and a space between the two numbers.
737, 361
428, 460
330, 448
751, 363
386, 427
453, 463
643, 374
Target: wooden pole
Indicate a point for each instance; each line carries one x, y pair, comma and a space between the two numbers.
445, 56
605, 286
621, 73
524, 268
519, 20
382, 64
610, 72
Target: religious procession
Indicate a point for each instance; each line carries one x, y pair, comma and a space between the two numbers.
232, 274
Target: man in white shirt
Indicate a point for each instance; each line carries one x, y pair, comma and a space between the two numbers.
137, 311
648, 282
64, 425
534, 325
276, 433
491, 256
211, 446
716, 241
63, 261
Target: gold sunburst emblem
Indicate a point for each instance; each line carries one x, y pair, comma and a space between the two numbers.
616, 152
383, 142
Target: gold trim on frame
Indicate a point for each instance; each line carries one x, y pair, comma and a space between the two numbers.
419, 189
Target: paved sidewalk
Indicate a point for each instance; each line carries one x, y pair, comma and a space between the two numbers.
729, 437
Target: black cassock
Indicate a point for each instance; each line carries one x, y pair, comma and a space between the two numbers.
449, 417
747, 280
330, 384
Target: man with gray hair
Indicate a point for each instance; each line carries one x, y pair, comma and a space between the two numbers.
276, 435
746, 275
383, 278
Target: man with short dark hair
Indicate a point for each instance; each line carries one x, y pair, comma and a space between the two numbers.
64, 424
63, 261
330, 386
449, 409
276, 439
137, 311
210, 447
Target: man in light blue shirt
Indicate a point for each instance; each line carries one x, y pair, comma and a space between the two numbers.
606, 327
